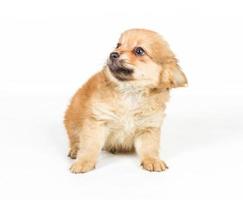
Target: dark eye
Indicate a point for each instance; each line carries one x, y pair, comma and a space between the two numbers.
138, 51
118, 45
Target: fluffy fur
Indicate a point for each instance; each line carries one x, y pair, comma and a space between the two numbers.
121, 108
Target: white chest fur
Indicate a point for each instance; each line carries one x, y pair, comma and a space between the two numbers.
128, 111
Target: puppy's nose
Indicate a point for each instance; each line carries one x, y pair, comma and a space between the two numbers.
114, 56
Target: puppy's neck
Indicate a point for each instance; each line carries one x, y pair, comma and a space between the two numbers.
124, 87
130, 88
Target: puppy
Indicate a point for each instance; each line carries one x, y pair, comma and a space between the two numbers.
121, 108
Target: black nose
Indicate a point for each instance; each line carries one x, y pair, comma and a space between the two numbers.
114, 56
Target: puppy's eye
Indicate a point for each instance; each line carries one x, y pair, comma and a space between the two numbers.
118, 45
139, 51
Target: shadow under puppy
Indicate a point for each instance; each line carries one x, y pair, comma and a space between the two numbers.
121, 108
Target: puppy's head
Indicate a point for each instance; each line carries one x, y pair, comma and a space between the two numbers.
142, 56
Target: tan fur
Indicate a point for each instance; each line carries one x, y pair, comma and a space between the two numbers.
123, 116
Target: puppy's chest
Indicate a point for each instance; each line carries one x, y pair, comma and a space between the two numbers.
127, 112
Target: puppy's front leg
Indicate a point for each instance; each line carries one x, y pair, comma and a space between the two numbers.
92, 139
147, 144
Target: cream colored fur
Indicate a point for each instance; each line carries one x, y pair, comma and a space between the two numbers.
123, 116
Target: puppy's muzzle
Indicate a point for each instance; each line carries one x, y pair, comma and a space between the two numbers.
114, 56
118, 68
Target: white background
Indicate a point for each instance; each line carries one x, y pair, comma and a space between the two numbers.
48, 49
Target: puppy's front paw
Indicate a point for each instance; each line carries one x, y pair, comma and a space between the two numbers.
154, 165
82, 166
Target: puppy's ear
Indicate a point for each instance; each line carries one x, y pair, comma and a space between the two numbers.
172, 76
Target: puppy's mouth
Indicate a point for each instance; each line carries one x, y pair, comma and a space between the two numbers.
119, 71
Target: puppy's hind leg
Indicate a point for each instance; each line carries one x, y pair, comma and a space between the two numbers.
73, 135
73, 145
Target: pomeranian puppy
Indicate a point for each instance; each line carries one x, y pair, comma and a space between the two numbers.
121, 108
